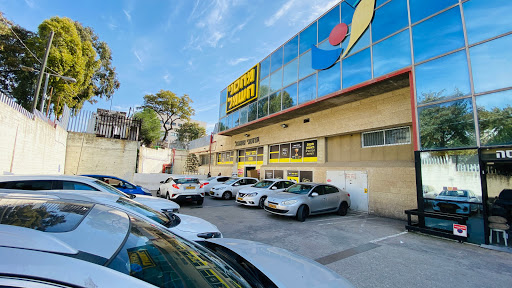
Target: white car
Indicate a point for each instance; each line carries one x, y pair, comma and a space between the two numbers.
231, 187
67, 243
189, 227
84, 184
181, 189
258, 193
212, 181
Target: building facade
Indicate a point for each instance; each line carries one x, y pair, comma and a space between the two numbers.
404, 103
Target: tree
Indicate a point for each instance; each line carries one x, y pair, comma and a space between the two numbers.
191, 163
150, 130
169, 108
76, 52
190, 131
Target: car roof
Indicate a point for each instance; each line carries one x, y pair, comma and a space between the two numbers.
275, 179
5, 178
106, 176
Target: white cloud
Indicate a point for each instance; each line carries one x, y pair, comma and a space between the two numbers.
280, 13
234, 62
137, 56
167, 78
300, 12
30, 3
128, 15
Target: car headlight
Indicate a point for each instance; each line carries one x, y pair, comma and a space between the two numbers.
289, 202
252, 194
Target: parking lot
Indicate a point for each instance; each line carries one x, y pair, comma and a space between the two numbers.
369, 251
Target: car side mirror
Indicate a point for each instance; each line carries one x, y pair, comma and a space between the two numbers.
161, 182
314, 194
274, 188
236, 184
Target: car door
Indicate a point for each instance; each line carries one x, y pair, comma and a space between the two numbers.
333, 197
238, 185
317, 203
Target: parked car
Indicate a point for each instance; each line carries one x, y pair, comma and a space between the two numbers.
502, 205
449, 201
189, 227
303, 199
181, 189
67, 182
429, 192
229, 189
50, 241
256, 194
212, 181
121, 184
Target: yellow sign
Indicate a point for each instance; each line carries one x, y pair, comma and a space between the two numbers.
243, 90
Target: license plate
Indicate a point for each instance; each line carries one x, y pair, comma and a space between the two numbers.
211, 193
190, 188
272, 206
240, 198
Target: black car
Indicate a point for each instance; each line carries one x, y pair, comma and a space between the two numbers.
502, 206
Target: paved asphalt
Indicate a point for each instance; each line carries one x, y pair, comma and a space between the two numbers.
369, 251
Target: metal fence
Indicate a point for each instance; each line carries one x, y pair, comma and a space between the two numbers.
10, 102
108, 126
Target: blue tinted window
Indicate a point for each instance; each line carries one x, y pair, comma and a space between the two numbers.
445, 77
356, 68
265, 67
329, 80
447, 125
274, 104
438, 35
486, 19
263, 107
222, 125
229, 121
421, 9
222, 110
307, 89
347, 12
264, 88
291, 49
305, 65
364, 41
276, 59
243, 115
276, 81
389, 19
307, 38
235, 118
392, 54
491, 63
289, 96
290, 72
223, 96
327, 46
380, 2
327, 22
495, 118
252, 112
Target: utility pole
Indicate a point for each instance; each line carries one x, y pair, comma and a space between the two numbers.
41, 73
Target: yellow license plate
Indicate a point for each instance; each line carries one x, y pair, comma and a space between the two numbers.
272, 206
190, 188
240, 198
211, 193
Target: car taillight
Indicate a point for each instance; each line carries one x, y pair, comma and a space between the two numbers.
175, 186
202, 194
348, 194
173, 195
204, 184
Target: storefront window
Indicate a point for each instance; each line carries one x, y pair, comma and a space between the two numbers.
389, 19
438, 35
264, 88
357, 68
492, 65
347, 12
290, 72
421, 9
276, 81
495, 118
276, 60
252, 111
289, 96
222, 124
265, 67
327, 22
274, 103
327, 46
306, 176
243, 115
307, 38
451, 184
484, 21
446, 77
447, 125
291, 49
223, 96
222, 111
380, 2
307, 89
305, 67
329, 80
229, 121
235, 118
392, 54
284, 153
263, 107
364, 41
273, 154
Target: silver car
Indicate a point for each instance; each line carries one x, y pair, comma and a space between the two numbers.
256, 194
304, 199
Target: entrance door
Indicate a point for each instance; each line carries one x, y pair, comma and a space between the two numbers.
251, 172
357, 186
336, 178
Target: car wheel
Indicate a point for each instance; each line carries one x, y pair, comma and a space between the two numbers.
167, 196
158, 193
342, 211
226, 195
262, 201
302, 213
200, 202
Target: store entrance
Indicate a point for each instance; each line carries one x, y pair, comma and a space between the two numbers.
498, 175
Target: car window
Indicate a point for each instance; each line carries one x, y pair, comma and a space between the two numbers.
319, 189
288, 184
144, 210
110, 189
263, 184
186, 181
222, 179
299, 189
242, 182
454, 193
506, 194
251, 181
210, 178
28, 185
72, 185
231, 181
168, 180
164, 260
330, 189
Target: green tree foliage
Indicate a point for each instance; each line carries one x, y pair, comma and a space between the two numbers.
76, 52
495, 125
190, 131
191, 163
169, 108
150, 130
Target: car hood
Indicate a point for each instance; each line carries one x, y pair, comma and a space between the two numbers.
281, 266
251, 189
284, 196
156, 203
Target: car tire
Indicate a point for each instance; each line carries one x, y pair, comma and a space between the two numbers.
261, 204
302, 213
343, 209
200, 202
226, 195
158, 193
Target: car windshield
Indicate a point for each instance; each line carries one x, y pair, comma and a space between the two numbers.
231, 181
506, 194
211, 178
299, 188
186, 181
455, 193
165, 260
263, 184
110, 189
144, 210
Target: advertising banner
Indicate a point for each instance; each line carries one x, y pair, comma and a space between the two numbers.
296, 152
293, 175
310, 151
284, 153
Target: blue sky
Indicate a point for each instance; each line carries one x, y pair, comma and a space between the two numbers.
194, 47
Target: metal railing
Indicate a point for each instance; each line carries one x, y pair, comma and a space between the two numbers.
108, 126
12, 103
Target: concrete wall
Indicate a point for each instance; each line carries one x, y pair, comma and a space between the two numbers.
88, 154
152, 160
151, 181
30, 146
